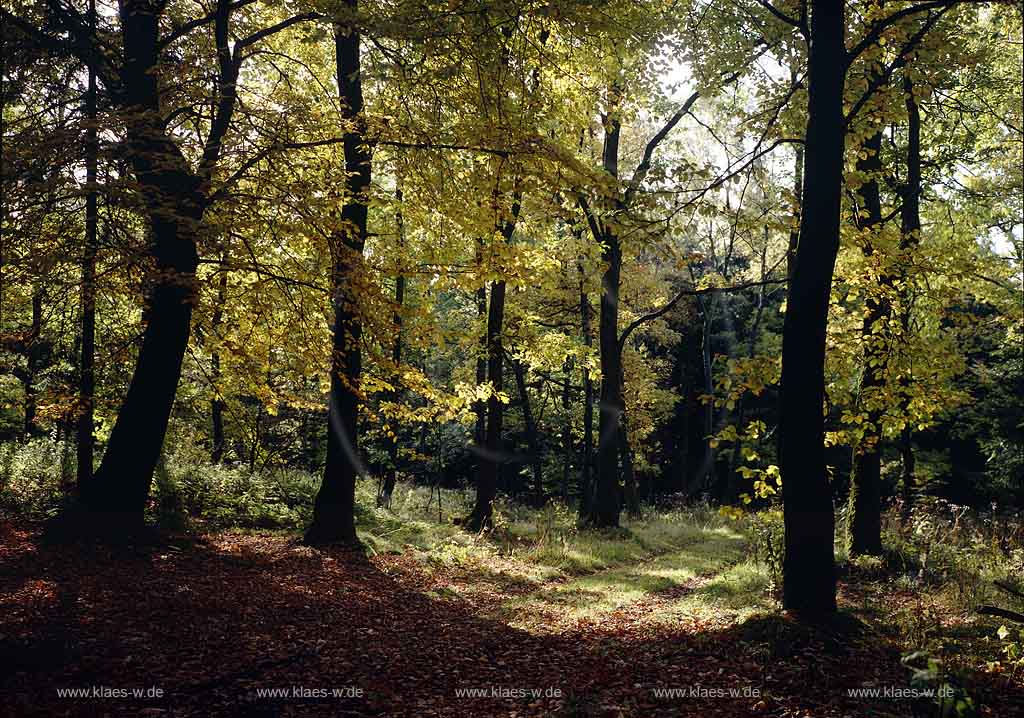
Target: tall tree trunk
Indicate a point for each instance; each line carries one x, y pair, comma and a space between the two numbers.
217, 406
490, 459
531, 433
864, 511
630, 490
391, 473
707, 465
114, 501
334, 509
798, 190
809, 587
606, 507
34, 349
586, 470
734, 479
480, 407
566, 431
492, 456
910, 216
85, 442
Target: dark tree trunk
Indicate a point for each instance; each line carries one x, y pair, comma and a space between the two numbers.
217, 405
586, 470
85, 441
34, 362
480, 407
684, 430
910, 216
707, 465
606, 506
114, 501
391, 473
734, 484
864, 511
630, 490
531, 433
809, 587
334, 509
907, 473
798, 190
566, 431
491, 457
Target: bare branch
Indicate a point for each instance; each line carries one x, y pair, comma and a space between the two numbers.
661, 311
645, 164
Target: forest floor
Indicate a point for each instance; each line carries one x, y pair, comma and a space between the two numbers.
670, 617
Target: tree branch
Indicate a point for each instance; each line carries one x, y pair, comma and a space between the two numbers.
661, 311
882, 25
782, 16
879, 80
645, 164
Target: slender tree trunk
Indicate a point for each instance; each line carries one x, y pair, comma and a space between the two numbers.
217, 405
910, 216
566, 431
864, 511
586, 470
630, 490
531, 433
490, 459
334, 509
34, 349
794, 233
480, 407
87, 353
809, 587
3, 178
391, 473
606, 507
733, 487
707, 465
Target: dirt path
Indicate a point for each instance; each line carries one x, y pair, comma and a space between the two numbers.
219, 624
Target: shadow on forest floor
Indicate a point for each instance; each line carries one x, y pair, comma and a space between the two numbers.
217, 623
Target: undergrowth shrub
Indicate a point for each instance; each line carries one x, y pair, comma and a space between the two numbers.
34, 476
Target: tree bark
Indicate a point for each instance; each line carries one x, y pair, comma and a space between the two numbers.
391, 473
334, 509
566, 431
114, 501
531, 433
809, 587
35, 348
630, 490
606, 506
864, 510
707, 465
492, 456
910, 216
586, 478
85, 426
480, 407
217, 406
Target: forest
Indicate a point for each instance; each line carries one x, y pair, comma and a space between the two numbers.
512, 358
